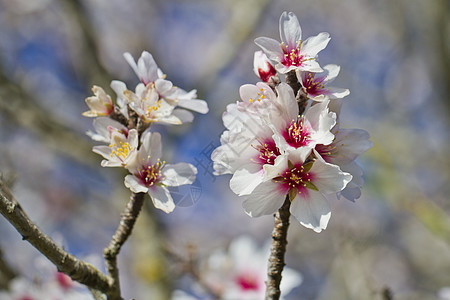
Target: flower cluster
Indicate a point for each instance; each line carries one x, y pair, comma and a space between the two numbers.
124, 128
283, 138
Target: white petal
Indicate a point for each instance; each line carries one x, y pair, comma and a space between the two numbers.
271, 47
321, 121
350, 143
311, 66
179, 174
104, 151
111, 163
333, 71
299, 155
151, 147
248, 91
287, 101
265, 199
328, 178
315, 44
170, 120
244, 182
290, 30
119, 88
350, 193
148, 70
163, 86
130, 60
337, 93
279, 167
335, 106
185, 116
197, 105
161, 198
133, 184
311, 210
356, 171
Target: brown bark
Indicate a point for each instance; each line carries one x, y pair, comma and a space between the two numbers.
276, 258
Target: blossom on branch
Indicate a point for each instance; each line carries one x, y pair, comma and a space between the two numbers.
282, 140
293, 53
153, 176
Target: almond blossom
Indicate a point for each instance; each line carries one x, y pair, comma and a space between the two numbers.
100, 104
306, 182
293, 53
153, 176
315, 85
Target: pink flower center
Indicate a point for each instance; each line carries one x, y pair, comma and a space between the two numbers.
292, 57
150, 175
26, 298
297, 179
313, 85
298, 134
268, 151
248, 282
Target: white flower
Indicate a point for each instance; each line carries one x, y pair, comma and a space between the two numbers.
100, 104
293, 53
146, 68
122, 149
305, 181
263, 67
315, 86
153, 176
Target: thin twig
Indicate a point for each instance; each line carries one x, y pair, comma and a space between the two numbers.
65, 262
123, 231
276, 258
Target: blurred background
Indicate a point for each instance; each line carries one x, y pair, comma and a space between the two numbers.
393, 243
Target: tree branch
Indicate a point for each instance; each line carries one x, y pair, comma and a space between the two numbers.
65, 262
123, 231
276, 258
